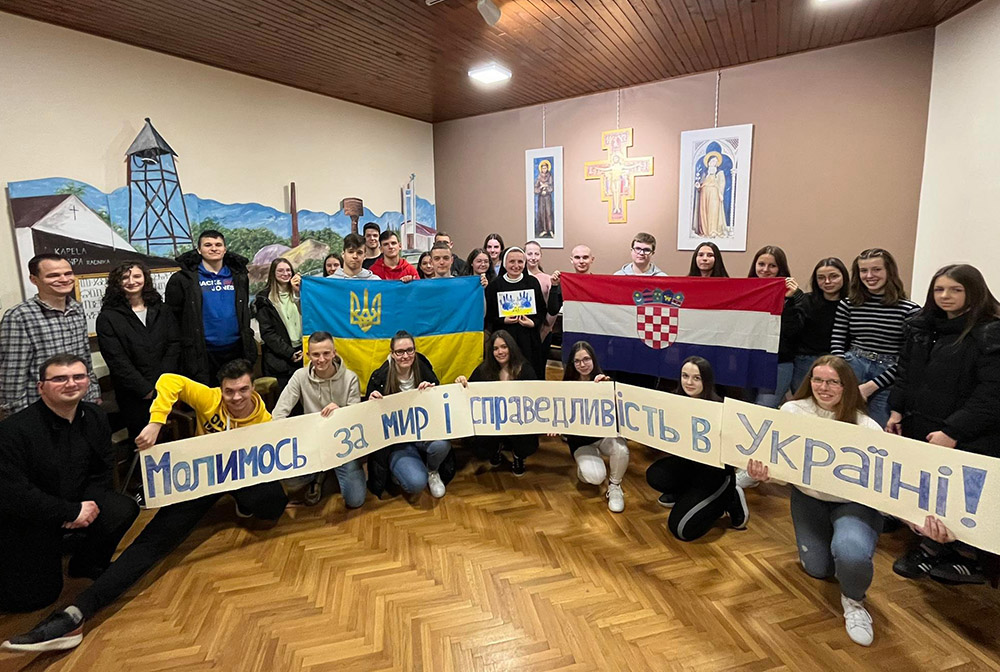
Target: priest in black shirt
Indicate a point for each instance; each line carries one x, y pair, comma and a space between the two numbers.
56, 466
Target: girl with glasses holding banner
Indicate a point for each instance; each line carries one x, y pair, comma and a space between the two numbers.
405, 370
589, 452
835, 537
946, 391
697, 494
502, 361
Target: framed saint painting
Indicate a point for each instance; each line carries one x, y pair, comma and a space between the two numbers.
543, 184
715, 187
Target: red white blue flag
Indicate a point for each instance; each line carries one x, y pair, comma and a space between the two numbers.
650, 325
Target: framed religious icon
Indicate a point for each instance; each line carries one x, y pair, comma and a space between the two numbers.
543, 184
714, 187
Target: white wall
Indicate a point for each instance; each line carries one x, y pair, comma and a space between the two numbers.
959, 217
71, 103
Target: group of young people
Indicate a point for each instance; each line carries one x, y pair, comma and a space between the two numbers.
854, 349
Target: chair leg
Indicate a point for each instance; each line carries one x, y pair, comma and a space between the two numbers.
131, 470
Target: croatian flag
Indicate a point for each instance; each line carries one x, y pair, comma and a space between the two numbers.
650, 325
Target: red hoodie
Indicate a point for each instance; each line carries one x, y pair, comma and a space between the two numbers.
403, 269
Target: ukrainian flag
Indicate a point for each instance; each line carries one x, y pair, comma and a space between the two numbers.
444, 315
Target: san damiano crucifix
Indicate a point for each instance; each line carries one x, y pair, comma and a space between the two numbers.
617, 173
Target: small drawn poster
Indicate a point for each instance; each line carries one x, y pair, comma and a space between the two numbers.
516, 303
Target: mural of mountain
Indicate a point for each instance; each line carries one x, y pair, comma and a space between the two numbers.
228, 215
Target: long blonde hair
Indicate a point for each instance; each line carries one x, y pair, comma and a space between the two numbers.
273, 286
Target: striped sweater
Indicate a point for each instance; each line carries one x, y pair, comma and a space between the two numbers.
872, 326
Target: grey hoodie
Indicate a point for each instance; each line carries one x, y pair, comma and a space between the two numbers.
629, 269
363, 274
315, 392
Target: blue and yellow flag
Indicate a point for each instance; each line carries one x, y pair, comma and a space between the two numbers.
444, 315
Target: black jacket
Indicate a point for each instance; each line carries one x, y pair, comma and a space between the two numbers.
48, 466
378, 462
183, 295
136, 353
943, 384
792, 319
278, 348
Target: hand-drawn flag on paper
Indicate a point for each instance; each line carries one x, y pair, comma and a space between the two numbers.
444, 315
652, 324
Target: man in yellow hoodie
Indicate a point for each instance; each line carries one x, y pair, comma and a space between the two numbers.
232, 405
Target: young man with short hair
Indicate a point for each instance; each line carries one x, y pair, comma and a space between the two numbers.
210, 297
323, 387
373, 250
458, 266
56, 463
232, 405
354, 256
441, 260
49, 323
643, 249
391, 266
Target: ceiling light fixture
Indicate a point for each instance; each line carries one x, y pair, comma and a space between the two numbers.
490, 74
489, 11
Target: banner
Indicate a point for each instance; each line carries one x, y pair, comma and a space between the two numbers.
672, 423
650, 325
906, 478
212, 463
445, 316
580, 408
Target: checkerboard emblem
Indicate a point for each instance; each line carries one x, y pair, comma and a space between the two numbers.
657, 325
657, 315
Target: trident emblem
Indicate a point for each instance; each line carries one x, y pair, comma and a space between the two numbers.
362, 315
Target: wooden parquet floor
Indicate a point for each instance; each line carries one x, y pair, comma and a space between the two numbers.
515, 574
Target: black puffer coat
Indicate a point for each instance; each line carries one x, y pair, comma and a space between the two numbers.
378, 462
183, 295
950, 385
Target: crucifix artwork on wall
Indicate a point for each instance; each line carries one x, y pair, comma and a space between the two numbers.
617, 172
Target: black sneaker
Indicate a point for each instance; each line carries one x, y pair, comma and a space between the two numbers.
518, 467
60, 631
916, 564
666, 500
956, 570
496, 459
737, 508
314, 493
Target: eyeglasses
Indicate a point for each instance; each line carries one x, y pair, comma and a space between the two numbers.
62, 380
407, 352
583, 360
644, 251
821, 382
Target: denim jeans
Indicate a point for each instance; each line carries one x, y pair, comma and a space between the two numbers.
866, 369
773, 398
836, 539
351, 477
407, 464
800, 369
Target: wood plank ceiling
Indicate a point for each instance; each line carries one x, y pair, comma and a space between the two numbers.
405, 57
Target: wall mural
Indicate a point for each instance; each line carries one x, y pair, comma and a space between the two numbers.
153, 220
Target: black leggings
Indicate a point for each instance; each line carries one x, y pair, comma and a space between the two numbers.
169, 527
702, 493
521, 445
31, 574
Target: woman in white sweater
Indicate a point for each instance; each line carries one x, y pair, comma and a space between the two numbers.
322, 387
835, 537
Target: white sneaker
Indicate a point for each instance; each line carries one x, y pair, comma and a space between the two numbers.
616, 498
857, 621
435, 484
745, 480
